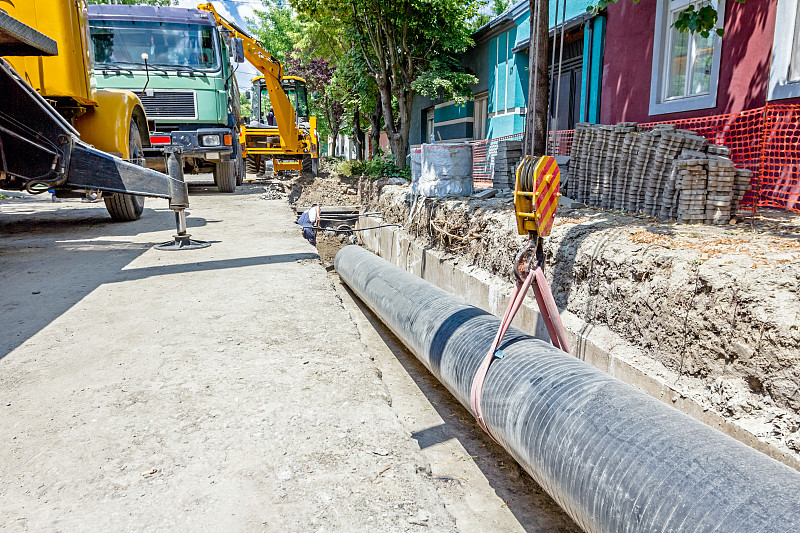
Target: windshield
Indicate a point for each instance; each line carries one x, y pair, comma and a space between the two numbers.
167, 45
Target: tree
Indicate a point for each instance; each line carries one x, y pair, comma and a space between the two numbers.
133, 2
408, 48
318, 74
701, 20
277, 27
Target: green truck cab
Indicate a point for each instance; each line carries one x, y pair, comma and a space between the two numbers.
182, 68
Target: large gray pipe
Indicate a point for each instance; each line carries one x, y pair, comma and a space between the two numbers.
614, 458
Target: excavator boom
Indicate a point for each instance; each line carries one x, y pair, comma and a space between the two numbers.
272, 70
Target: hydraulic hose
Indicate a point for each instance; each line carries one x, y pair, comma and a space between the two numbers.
614, 458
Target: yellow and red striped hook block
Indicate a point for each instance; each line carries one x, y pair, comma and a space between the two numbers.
536, 194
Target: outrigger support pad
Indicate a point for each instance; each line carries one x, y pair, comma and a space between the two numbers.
182, 240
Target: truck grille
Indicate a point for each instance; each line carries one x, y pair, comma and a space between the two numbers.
170, 104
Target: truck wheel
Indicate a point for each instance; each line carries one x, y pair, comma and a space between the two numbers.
240, 171
127, 207
225, 176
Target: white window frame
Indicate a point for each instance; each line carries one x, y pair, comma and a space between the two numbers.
660, 105
785, 20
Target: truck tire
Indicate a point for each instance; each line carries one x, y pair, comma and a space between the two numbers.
225, 176
127, 207
240, 171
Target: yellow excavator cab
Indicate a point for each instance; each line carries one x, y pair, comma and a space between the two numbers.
66, 75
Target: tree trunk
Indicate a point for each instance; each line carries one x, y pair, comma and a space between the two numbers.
358, 133
398, 143
539, 82
335, 137
375, 127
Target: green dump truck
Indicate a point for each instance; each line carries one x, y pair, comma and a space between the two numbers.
182, 68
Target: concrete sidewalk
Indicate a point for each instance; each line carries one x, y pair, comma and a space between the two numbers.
219, 389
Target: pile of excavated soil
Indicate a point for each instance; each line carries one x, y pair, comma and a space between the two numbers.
326, 189
715, 310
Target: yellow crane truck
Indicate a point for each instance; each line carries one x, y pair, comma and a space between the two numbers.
58, 132
291, 142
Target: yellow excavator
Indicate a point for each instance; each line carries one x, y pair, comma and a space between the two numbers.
292, 141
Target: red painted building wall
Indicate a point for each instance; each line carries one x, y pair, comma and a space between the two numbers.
628, 60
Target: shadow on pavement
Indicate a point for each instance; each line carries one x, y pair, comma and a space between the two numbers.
50, 262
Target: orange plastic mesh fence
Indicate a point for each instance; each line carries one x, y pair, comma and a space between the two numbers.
765, 140
779, 175
483, 153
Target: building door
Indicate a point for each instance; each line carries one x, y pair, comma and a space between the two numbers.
567, 88
480, 113
429, 127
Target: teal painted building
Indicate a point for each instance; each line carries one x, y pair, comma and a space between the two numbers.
499, 59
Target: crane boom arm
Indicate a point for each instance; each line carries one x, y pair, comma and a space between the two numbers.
272, 70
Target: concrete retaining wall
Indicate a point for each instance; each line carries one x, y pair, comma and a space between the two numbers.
596, 345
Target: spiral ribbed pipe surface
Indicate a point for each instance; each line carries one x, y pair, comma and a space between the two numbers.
615, 459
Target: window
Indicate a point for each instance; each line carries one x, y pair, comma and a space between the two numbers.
794, 60
481, 109
121, 44
431, 137
685, 66
784, 73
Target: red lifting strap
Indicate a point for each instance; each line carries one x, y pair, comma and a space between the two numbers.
552, 320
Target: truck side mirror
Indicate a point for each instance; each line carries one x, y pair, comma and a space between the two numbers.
238, 50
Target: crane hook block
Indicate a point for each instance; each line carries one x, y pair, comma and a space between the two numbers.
536, 194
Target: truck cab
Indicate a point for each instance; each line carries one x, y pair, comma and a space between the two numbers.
180, 65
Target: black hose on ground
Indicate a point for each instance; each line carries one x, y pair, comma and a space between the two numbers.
614, 458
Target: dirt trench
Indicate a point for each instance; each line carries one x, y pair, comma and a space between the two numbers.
715, 311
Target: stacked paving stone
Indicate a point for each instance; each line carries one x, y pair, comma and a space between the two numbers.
509, 153
612, 158
719, 187
598, 153
579, 162
625, 158
692, 189
662, 172
672, 142
741, 185
638, 171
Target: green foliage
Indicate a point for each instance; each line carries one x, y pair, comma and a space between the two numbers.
137, 2
445, 79
277, 27
479, 21
690, 20
383, 165
399, 42
499, 6
244, 103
